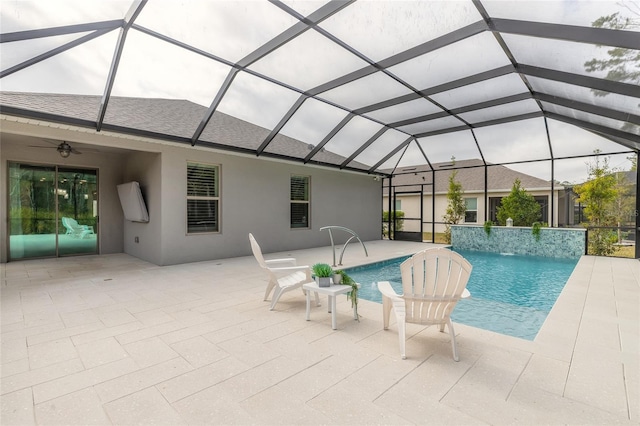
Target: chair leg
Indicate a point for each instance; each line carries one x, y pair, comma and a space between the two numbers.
452, 333
386, 311
270, 287
276, 296
402, 337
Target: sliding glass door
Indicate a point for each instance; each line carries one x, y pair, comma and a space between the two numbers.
53, 211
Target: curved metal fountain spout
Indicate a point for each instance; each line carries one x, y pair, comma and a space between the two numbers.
333, 247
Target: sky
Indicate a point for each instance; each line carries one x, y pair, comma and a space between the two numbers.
377, 29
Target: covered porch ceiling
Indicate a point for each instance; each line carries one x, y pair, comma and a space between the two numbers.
383, 84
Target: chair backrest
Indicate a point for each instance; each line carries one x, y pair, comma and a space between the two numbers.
433, 281
70, 224
257, 252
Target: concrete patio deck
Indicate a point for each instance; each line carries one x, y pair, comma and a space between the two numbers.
115, 340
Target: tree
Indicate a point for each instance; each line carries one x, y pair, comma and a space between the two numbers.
598, 195
520, 206
623, 64
623, 206
456, 207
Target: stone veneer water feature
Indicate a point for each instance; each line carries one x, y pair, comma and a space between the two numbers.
554, 242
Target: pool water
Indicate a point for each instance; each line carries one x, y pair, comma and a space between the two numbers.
510, 294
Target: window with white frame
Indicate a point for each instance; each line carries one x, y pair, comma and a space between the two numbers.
398, 205
300, 200
203, 198
471, 215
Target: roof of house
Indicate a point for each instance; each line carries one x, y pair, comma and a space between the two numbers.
174, 117
470, 175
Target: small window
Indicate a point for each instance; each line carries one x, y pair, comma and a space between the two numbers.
300, 201
398, 205
471, 215
203, 198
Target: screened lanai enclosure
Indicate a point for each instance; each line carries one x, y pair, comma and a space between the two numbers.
385, 88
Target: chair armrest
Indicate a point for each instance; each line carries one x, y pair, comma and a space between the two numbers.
289, 260
385, 288
290, 268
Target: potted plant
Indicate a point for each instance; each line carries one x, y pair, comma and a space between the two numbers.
323, 274
353, 294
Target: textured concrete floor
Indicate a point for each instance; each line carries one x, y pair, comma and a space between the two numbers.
115, 340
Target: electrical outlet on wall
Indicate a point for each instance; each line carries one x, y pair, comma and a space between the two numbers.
136, 239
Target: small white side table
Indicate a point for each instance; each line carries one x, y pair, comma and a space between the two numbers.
331, 292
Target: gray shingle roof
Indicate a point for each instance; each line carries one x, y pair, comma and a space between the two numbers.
173, 117
470, 175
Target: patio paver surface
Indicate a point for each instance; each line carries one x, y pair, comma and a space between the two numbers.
112, 339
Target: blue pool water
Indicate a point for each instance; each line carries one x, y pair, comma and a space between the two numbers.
510, 294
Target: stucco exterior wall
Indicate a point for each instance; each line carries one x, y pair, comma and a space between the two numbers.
254, 196
144, 240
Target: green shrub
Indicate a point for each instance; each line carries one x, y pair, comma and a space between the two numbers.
520, 206
535, 230
487, 227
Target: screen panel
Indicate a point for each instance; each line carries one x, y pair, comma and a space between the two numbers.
515, 141
380, 29
229, 29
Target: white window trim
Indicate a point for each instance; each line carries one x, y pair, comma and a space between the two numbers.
471, 210
308, 202
199, 197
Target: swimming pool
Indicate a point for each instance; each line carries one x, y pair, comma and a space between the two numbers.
510, 294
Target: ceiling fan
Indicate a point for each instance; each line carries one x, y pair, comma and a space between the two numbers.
64, 149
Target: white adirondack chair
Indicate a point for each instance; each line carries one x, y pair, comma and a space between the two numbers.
281, 278
433, 281
76, 230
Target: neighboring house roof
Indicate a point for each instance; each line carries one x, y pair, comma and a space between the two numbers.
176, 117
470, 175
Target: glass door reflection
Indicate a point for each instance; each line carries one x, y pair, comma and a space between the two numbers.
52, 211
32, 211
77, 211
